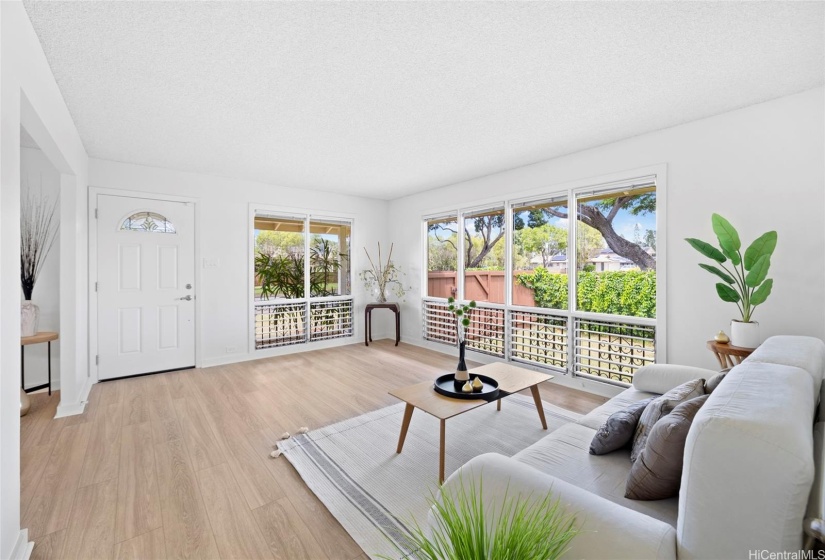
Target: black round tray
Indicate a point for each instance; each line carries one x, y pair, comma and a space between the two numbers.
449, 387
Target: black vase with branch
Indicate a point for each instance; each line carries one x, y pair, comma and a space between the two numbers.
38, 232
462, 322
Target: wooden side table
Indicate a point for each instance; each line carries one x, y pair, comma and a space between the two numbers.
47, 337
728, 354
394, 307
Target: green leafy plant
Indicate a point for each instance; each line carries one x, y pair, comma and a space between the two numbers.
745, 280
620, 292
282, 274
519, 528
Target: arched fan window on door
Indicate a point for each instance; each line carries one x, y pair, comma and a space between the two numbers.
147, 221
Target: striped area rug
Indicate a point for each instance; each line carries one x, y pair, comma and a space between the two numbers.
377, 494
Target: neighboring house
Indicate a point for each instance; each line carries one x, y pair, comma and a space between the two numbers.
605, 261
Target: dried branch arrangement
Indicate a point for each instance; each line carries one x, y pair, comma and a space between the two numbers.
383, 276
38, 231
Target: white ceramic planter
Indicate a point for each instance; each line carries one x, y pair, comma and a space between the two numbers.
29, 316
744, 335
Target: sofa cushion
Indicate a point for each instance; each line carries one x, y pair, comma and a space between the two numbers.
656, 474
662, 406
564, 454
661, 378
714, 381
804, 352
617, 431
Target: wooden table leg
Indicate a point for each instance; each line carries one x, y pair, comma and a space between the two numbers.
405, 424
366, 327
441, 447
498, 404
397, 327
50, 367
537, 399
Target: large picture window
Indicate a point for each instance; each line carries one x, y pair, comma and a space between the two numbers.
294, 256
572, 288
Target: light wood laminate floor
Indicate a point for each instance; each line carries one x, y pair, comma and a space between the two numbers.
176, 465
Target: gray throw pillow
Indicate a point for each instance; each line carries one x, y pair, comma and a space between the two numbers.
661, 406
714, 381
617, 431
657, 473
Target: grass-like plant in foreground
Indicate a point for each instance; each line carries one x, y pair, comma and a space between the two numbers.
518, 529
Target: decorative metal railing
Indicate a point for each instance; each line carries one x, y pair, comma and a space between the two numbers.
613, 350
597, 346
438, 322
330, 319
486, 332
538, 338
285, 323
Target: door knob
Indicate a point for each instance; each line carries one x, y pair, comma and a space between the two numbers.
185, 298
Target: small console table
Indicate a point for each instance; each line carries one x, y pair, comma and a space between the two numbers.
47, 337
728, 354
394, 307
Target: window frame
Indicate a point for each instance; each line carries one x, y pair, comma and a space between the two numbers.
572, 191
307, 216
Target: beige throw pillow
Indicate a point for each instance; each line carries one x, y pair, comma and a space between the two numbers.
661, 406
657, 473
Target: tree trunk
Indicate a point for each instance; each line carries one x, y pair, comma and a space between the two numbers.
473, 262
620, 245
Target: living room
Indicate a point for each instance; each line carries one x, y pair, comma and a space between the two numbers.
454, 135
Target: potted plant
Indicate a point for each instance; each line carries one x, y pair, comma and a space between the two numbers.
462, 321
383, 277
464, 528
745, 280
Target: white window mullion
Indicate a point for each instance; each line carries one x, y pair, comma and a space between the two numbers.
572, 266
508, 278
308, 310
459, 273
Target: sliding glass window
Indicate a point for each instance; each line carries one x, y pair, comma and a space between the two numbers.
615, 276
540, 240
572, 286
484, 255
288, 263
539, 280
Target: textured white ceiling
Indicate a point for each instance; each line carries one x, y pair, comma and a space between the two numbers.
385, 99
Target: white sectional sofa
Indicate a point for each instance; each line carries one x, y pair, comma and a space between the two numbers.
748, 467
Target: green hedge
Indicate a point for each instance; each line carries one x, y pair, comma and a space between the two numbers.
630, 292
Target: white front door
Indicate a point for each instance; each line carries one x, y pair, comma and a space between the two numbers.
145, 285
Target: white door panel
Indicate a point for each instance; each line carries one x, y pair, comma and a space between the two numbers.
146, 267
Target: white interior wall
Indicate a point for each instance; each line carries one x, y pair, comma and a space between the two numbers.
38, 175
762, 167
29, 96
224, 230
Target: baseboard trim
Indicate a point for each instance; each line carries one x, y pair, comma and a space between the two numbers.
72, 409
282, 351
22, 548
